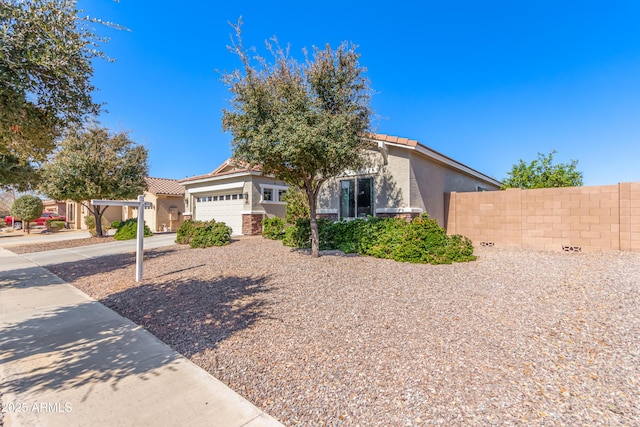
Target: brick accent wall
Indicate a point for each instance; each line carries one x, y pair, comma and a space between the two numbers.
186, 217
252, 224
597, 218
407, 216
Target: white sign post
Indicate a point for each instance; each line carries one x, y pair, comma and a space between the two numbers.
140, 204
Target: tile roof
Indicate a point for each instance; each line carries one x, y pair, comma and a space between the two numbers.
230, 166
394, 139
167, 186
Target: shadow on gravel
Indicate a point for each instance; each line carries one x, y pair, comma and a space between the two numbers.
193, 315
74, 346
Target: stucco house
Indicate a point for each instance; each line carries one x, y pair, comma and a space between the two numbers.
77, 212
234, 194
165, 211
404, 179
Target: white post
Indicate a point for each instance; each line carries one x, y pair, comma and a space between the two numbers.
140, 248
140, 204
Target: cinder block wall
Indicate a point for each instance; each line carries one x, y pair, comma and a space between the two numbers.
598, 218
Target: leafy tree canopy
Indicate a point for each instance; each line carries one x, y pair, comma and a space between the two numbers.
93, 163
27, 208
45, 70
543, 173
302, 121
17, 175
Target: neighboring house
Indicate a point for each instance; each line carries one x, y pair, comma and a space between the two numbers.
404, 179
236, 195
77, 212
165, 211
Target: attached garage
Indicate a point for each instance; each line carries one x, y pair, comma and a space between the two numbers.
235, 194
221, 206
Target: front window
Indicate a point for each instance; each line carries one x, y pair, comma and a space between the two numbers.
356, 198
267, 194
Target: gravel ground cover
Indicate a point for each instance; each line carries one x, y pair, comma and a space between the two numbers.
515, 338
60, 244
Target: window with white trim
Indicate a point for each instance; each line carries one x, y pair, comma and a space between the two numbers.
272, 193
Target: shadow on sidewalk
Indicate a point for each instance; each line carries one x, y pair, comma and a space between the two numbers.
24, 278
77, 345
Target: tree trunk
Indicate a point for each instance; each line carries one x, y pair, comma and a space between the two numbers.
315, 238
98, 217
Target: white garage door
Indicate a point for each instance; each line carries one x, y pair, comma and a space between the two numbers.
222, 207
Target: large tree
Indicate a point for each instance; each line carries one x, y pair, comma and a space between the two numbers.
304, 122
93, 163
46, 51
543, 173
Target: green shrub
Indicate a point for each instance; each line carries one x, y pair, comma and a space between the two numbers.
211, 234
273, 228
55, 225
421, 241
460, 248
116, 224
186, 230
299, 235
382, 236
129, 230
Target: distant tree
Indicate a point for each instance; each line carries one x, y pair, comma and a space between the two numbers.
27, 208
543, 173
95, 164
46, 50
303, 122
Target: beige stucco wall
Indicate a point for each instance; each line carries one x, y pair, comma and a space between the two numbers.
169, 211
112, 213
165, 211
409, 183
255, 205
392, 181
594, 218
430, 180
248, 184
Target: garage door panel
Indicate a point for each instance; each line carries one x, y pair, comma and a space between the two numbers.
227, 211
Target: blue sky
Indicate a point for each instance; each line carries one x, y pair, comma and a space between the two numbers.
484, 82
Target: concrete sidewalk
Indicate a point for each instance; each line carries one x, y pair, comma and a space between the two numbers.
66, 360
101, 249
17, 237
